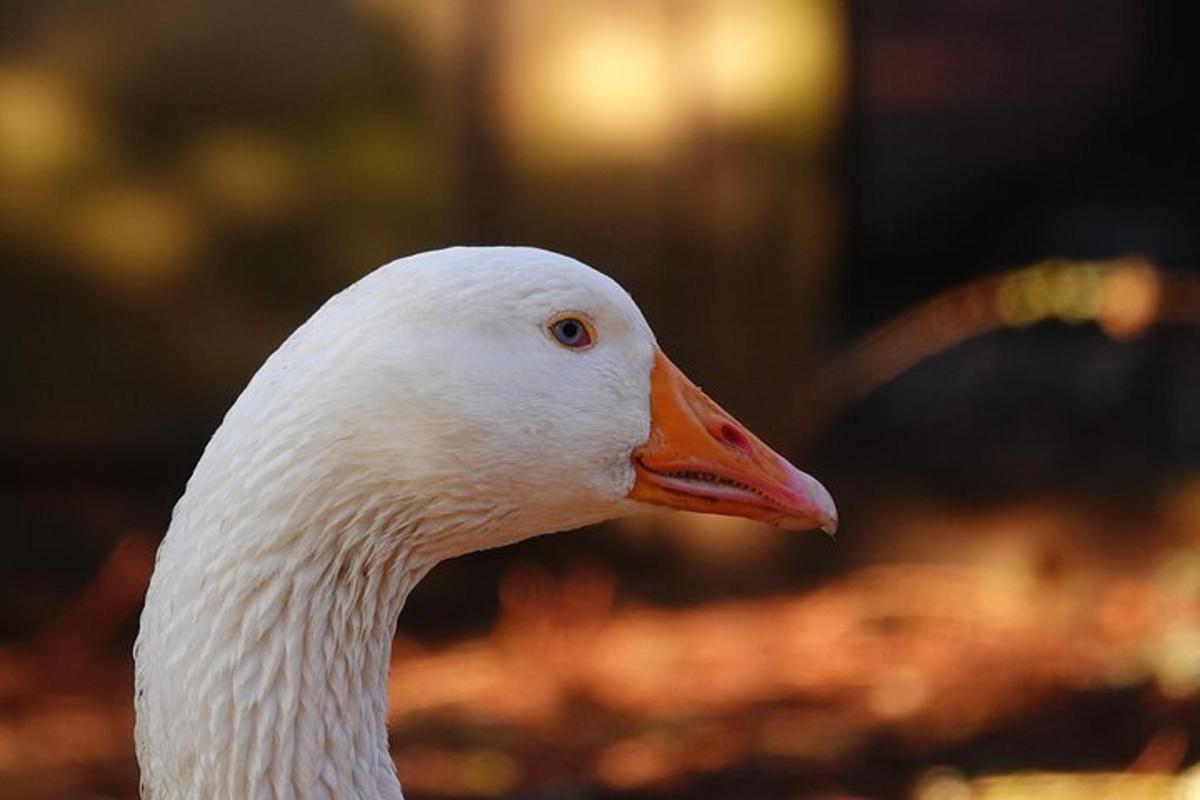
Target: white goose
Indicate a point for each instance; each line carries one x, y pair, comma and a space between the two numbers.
448, 402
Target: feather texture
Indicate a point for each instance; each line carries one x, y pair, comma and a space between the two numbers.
420, 414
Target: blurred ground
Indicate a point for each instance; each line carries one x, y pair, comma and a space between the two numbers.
1024, 652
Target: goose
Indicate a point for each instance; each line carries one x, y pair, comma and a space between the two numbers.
448, 402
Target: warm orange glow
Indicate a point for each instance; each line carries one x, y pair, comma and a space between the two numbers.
931, 656
1131, 297
710, 661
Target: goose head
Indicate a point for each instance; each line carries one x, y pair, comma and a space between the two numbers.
447, 402
526, 385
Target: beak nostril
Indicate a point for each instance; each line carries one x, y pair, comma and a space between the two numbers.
733, 437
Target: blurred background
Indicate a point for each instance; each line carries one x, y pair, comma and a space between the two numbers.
941, 252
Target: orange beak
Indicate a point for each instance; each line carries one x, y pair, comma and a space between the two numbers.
699, 458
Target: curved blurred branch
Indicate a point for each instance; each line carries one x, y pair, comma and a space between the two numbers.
1123, 297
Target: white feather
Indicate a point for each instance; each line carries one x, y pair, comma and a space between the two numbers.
422, 413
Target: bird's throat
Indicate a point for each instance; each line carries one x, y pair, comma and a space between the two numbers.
264, 674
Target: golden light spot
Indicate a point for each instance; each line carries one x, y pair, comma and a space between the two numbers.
619, 82
1178, 663
1024, 297
604, 85
43, 129
1083, 786
244, 175
1075, 291
1178, 576
941, 783
133, 237
1130, 300
764, 57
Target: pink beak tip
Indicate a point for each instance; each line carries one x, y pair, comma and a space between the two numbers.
817, 501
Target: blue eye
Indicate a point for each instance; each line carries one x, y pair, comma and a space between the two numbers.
572, 332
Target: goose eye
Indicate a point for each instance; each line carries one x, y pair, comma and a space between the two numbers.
572, 332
